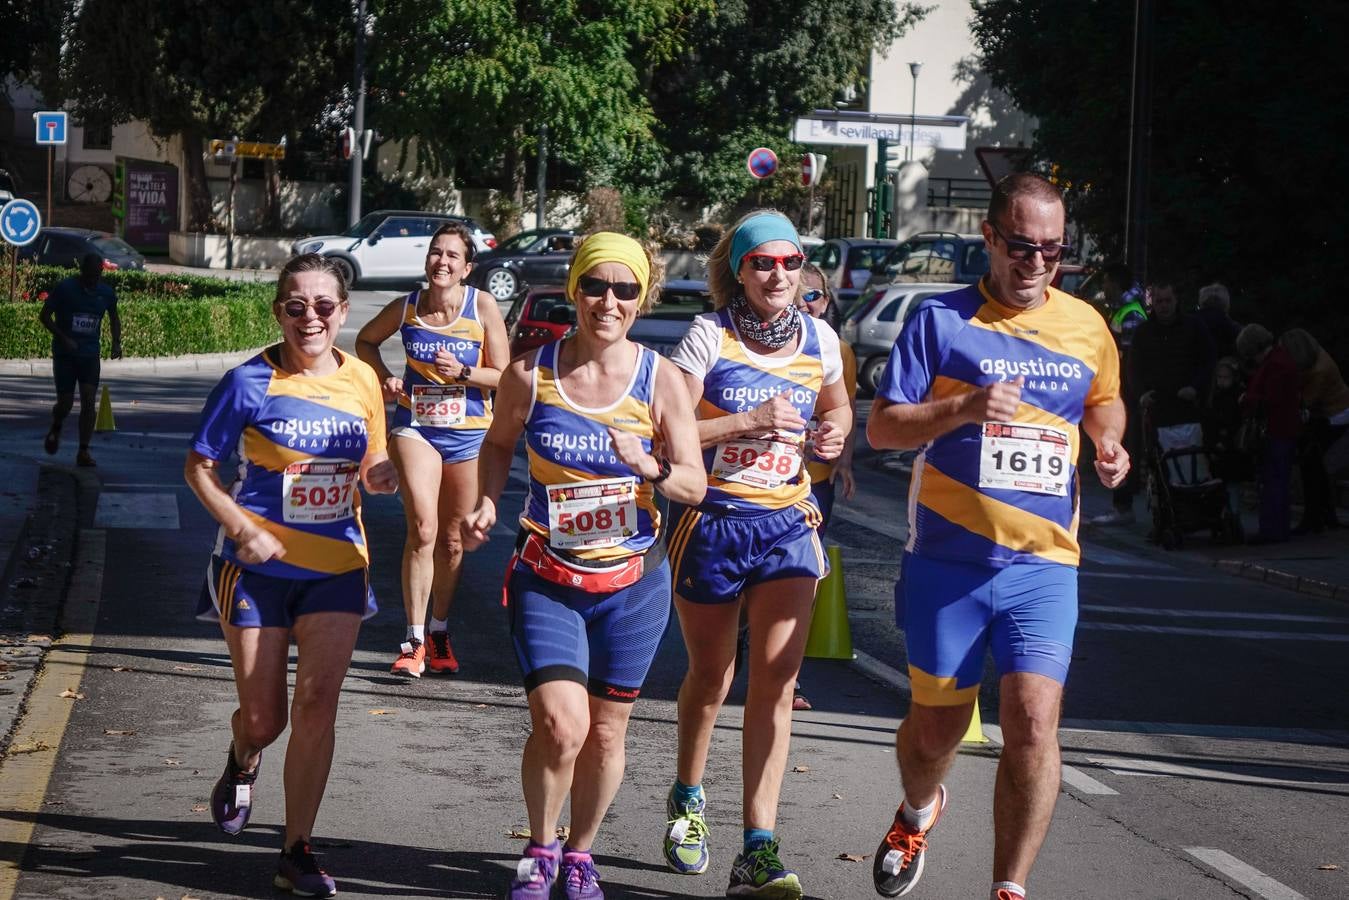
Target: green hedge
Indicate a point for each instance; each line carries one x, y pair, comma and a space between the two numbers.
162, 315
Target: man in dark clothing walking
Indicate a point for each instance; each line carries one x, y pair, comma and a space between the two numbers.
74, 313
1171, 360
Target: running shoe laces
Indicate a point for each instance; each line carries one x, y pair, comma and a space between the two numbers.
759, 867
900, 856
579, 877
686, 835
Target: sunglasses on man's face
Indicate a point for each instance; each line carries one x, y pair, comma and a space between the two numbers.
597, 287
767, 262
323, 307
1023, 250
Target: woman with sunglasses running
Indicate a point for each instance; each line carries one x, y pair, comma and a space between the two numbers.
454, 341
607, 423
757, 371
307, 423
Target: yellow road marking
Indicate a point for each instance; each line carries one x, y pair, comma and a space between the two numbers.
24, 776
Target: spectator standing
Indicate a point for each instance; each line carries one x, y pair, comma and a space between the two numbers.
1125, 313
1326, 399
1273, 396
1222, 428
1215, 305
1171, 360
74, 313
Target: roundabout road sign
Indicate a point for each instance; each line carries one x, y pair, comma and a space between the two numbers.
762, 162
19, 222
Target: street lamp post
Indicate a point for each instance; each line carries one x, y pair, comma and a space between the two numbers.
913, 105
357, 120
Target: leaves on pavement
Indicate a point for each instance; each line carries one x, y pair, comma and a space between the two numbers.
71, 695
119, 732
800, 768
852, 857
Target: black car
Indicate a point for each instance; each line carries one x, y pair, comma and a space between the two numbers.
57, 246
536, 256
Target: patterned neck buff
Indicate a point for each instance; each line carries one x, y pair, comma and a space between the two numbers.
778, 333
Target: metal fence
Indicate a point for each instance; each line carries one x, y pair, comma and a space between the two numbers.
966, 193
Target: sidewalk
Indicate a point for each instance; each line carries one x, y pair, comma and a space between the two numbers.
1315, 564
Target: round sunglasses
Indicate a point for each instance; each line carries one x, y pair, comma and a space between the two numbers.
596, 287
323, 307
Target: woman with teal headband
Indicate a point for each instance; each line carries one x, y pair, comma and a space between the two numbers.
757, 371
607, 423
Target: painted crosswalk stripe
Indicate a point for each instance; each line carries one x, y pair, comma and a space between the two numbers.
1243, 874
135, 510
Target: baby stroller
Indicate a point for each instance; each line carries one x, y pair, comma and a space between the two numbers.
1183, 492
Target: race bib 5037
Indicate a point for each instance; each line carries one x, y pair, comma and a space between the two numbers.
319, 491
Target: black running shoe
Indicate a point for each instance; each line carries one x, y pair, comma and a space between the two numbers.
899, 858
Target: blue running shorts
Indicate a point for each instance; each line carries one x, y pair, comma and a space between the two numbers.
247, 599
951, 612
453, 444
716, 555
822, 492
603, 641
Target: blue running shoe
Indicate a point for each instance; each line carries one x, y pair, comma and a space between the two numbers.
685, 847
535, 872
299, 873
760, 873
232, 798
579, 879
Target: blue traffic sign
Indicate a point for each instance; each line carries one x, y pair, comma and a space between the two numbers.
19, 222
51, 127
762, 162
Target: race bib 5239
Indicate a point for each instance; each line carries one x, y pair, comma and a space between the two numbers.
439, 405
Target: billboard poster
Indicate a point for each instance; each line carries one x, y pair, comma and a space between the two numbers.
145, 202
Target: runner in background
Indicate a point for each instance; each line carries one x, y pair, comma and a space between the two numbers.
73, 313
757, 371
454, 341
290, 560
826, 476
606, 424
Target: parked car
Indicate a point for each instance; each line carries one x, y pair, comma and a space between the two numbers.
874, 325
536, 256
665, 325
388, 244
8, 191
934, 256
538, 315
56, 246
1074, 279
847, 263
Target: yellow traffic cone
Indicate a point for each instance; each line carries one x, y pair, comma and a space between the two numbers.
974, 734
830, 636
104, 421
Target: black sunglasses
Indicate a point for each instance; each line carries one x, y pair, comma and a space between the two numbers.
596, 287
323, 307
1022, 250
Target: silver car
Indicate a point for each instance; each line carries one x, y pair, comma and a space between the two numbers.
874, 325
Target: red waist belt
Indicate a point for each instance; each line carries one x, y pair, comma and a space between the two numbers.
550, 567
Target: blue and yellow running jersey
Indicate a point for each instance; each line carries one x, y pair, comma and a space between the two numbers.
582, 498
300, 441
1001, 492
751, 474
422, 384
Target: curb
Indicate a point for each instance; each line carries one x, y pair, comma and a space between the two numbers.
1286, 580
111, 368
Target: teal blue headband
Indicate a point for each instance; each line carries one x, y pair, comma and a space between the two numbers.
757, 230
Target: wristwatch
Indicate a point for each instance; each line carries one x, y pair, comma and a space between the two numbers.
663, 472
464, 374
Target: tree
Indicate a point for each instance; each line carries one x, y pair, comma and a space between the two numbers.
750, 68
31, 29
1246, 172
473, 81
202, 69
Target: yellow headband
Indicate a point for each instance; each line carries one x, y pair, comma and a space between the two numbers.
608, 246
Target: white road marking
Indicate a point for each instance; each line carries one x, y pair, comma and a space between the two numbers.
1217, 632
1226, 732
167, 435
1209, 614
1133, 576
1155, 768
127, 510
1243, 874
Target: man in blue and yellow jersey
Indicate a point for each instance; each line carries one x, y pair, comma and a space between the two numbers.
993, 383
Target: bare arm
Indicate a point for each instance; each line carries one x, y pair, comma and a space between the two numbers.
675, 430
776, 413
375, 332
48, 319
834, 412
115, 326
253, 544
1105, 426
498, 447
904, 426
496, 354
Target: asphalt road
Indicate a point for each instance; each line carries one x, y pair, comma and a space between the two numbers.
1206, 723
